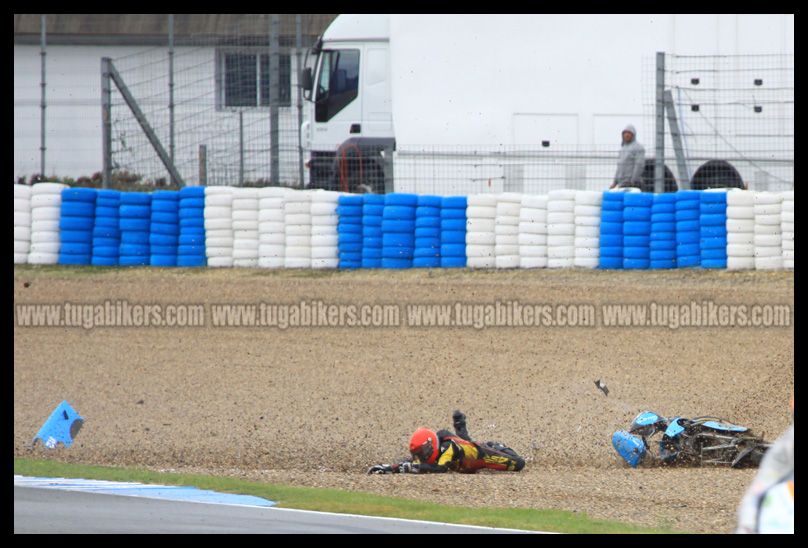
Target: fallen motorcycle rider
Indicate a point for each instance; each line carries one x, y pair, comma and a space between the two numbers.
699, 441
442, 451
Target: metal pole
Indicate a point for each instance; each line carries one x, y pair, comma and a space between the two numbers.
42, 104
203, 165
676, 137
274, 96
299, 46
106, 124
659, 161
144, 123
241, 147
171, 90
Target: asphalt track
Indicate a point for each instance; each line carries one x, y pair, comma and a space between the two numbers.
38, 510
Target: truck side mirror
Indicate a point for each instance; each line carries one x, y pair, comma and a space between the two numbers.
306, 80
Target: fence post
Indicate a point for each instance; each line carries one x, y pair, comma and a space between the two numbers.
659, 161
43, 104
274, 87
676, 137
240, 147
106, 124
298, 47
203, 165
171, 91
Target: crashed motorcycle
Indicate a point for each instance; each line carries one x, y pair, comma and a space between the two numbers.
694, 442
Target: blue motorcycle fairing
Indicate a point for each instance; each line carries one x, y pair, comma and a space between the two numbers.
630, 447
724, 426
674, 428
644, 423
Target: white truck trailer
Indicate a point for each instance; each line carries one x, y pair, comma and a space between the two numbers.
378, 82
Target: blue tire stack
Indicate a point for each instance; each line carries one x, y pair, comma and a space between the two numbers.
427, 232
372, 210
637, 230
688, 233
398, 230
135, 223
350, 231
663, 231
76, 221
165, 228
106, 232
713, 229
611, 230
191, 213
453, 232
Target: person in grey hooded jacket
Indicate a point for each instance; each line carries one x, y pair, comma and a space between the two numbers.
631, 162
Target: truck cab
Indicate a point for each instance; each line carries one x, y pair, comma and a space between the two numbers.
348, 119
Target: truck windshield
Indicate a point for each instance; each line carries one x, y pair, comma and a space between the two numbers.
337, 82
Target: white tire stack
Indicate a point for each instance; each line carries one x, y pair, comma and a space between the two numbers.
219, 225
46, 204
533, 232
740, 230
561, 228
787, 229
481, 213
506, 230
271, 233
768, 231
245, 227
587, 228
324, 238
297, 228
22, 223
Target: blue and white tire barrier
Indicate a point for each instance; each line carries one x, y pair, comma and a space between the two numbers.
787, 228
740, 230
428, 232
481, 213
218, 216
663, 231
688, 233
533, 232
372, 211
561, 228
46, 204
713, 228
190, 252
244, 211
587, 228
768, 231
506, 230
22, 223
106, 228
350, 230
453, 231
76, 226
398, 230
324, 236
297, 218
135, 225
286, 228
611, 230
271, 227
637, 230
164, 237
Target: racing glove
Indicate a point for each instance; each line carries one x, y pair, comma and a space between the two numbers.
382, 469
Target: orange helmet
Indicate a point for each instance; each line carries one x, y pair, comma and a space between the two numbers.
424, 445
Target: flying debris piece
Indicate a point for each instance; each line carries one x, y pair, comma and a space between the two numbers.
602, 386
61, 427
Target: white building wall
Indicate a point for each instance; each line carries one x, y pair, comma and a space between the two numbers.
73, 115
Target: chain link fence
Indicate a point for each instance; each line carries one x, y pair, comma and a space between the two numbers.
735, 114
226, 106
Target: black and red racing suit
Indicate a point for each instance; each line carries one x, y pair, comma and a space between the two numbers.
458, 453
